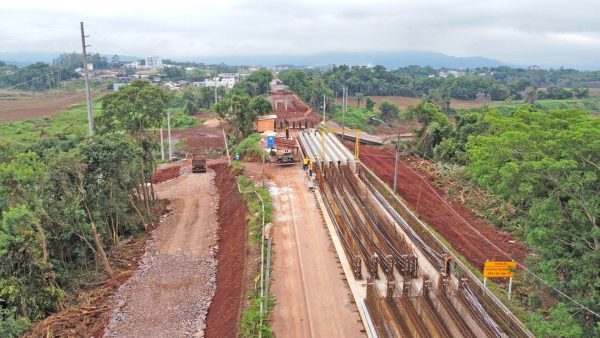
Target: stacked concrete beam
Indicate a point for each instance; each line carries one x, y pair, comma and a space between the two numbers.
335, 152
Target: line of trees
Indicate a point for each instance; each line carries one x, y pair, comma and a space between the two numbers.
64, 204
497, 84
38, 76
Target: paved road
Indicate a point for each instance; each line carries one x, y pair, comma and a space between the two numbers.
313, 299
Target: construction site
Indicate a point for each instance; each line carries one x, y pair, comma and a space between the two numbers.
405, 281
346, 256
349, 256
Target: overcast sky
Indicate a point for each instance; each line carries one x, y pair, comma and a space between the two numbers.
543, 32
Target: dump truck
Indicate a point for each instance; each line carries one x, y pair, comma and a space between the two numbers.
286, 158
199, 163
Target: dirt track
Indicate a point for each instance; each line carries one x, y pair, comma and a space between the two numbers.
170, 294
312, 298
424, 199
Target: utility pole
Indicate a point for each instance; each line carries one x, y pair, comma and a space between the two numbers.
397, 152
344, 99
169, 135
162, 147
396, 165
216, 97
324, 107
88, 98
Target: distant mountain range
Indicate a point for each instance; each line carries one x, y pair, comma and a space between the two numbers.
25, 59
390, 60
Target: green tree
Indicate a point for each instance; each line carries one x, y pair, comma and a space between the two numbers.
547, 165
174, 73
261, 79
359, 97
389, 111
298, 82
261, 106
435, 127
190, 107
134, 108
235, 108
370, 104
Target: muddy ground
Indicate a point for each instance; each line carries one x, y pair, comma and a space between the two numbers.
429, 202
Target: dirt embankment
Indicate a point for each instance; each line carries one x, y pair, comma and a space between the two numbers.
290, 107
167, 173
464, 230
226, 307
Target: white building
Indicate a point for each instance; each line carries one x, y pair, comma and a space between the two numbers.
227, 82
154, 62
134, 64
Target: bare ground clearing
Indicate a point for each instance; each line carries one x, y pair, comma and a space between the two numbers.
24, 106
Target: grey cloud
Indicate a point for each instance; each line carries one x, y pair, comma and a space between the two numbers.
526, 32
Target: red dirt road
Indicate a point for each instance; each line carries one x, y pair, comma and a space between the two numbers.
313, 299
423, 198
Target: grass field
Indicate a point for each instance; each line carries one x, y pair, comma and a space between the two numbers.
71, 124
590, 104
68, 122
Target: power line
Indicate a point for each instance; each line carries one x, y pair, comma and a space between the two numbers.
523, 266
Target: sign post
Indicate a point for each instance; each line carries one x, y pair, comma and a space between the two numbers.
499, 270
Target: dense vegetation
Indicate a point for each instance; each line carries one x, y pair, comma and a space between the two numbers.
245, 102
75, 60
497, 84
546, 165
65, 202
38, 76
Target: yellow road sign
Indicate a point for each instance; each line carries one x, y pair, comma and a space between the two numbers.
499, 269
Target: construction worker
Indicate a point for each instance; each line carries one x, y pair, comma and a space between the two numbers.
305, 163
310, 169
